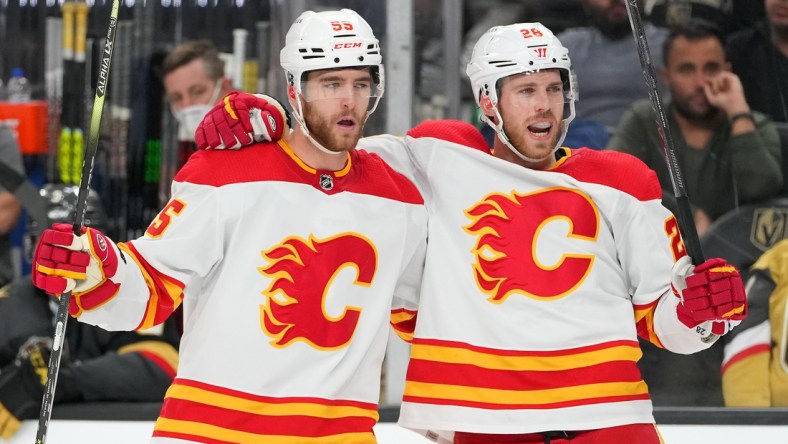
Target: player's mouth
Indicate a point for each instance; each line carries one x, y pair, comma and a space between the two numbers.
347, 123
540, 130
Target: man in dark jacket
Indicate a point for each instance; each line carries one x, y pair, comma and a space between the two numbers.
729, 154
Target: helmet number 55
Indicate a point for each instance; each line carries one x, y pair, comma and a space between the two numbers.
339, 26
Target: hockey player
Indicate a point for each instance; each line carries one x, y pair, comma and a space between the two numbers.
755, 364
97, 365
543, 269
286, 260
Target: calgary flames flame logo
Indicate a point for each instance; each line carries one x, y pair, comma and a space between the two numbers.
302, 272
507, 228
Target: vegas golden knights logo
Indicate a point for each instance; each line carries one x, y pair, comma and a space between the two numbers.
768, 227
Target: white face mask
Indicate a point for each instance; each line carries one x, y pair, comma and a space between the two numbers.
189, 118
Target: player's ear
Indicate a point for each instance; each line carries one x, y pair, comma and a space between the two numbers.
486, 106
291, 96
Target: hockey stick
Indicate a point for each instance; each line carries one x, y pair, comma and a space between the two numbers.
79, 219
686, 221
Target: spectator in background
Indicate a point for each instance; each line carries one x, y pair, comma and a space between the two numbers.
10, 208
607, 65
759, 56
728, 153
729, 15
194, 81
755, 367
97, 365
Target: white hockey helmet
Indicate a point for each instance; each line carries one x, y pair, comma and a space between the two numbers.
328, 40
504, 51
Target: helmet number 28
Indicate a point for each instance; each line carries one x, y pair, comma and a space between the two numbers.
533, 32
339, 26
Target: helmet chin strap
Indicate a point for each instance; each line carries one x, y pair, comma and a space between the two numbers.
299, 114
505, 139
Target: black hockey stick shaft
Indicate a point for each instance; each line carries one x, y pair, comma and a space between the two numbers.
79, 218
685, 218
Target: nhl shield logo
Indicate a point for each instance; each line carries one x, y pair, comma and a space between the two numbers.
768, 227
326, 182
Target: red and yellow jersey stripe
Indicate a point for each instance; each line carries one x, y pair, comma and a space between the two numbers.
403, 321
166, 293
207, 413
454, 373
644, 320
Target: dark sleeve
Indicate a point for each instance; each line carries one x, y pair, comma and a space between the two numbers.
121, 377
24, 312
756, 160
633, 134
123, 365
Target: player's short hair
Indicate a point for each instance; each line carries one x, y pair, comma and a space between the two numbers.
191, 50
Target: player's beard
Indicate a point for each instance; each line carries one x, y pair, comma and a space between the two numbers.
518, 137
324, 129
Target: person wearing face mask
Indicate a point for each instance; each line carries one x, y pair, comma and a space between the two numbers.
194, 80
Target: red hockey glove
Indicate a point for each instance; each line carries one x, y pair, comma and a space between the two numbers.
241, 119
84, 265
22, 385
711, 292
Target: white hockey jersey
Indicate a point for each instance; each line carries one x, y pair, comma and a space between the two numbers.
536, 286
286, 275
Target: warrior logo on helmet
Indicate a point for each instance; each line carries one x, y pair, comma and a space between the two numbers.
302, 273
504, 267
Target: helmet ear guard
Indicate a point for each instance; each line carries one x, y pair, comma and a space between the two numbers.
504, 51
329, 40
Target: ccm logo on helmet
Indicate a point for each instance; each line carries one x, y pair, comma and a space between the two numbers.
347, 45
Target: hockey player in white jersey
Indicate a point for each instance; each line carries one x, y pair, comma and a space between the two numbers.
286, 260
544, 265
